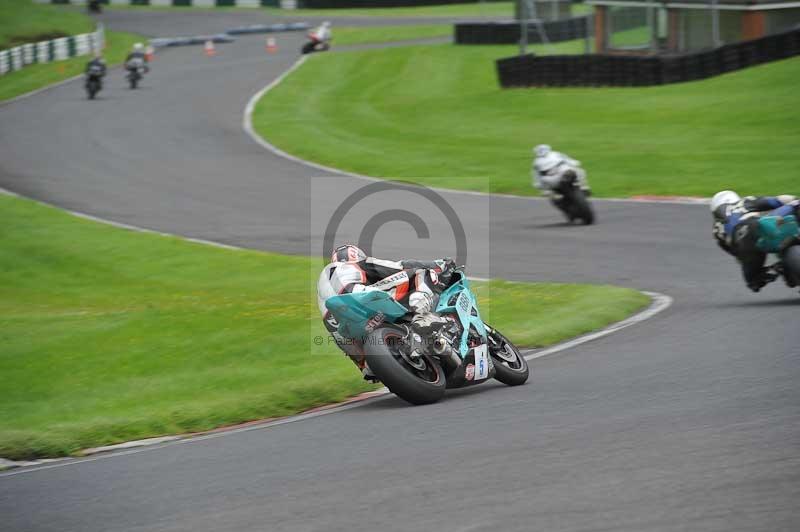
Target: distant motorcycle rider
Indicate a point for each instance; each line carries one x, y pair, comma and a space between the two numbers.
94, 73
137, 58
323, 34
550, 167
319, 39
96, 67
412, 283
736, 230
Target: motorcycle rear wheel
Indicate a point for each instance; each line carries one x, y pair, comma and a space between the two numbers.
420, 385
581, 207
791, 265
510, 367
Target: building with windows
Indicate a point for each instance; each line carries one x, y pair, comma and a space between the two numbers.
687, 25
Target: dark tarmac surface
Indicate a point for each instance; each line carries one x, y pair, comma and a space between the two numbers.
689, 421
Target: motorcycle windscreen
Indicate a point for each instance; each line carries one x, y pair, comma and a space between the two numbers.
353, 312
775, 232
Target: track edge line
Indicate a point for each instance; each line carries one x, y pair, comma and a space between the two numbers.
658, 303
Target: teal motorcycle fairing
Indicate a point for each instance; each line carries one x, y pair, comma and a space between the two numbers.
776, 232
359, 313
459, 299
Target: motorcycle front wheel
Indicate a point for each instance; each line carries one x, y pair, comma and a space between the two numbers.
419, 381
510, 367
307, 48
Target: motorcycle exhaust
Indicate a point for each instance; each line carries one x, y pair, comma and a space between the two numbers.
439, 345
443, 350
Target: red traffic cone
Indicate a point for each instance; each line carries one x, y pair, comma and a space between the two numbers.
209, 49
272, 46
149, 52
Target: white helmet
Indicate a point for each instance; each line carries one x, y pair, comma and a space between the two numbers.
138, 47
724, 197
327, 24
542, 150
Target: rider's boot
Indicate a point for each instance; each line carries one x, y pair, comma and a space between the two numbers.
428, 323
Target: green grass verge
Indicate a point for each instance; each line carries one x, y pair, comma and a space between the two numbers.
468, 9
488, 9
475, 9
436, 114
541, 314
108, 335
22, 21
33, 77
369, 35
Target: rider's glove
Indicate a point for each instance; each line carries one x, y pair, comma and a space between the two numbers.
446, 264
447, 267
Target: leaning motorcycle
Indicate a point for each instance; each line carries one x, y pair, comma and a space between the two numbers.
463, 352
314, 45
136, 69
780, 235
571, 198
94, 82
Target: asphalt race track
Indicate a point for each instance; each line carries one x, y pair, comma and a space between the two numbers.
689, 421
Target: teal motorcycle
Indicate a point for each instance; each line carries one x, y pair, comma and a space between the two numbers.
463, 352
780, 235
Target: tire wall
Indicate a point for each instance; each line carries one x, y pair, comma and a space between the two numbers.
625, 70
556, 30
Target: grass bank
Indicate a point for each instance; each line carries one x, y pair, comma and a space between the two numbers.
109, 335
436, 114
33, 77
467, 9
380, 34
22, 21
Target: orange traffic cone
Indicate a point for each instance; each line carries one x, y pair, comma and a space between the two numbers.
272, 46
209, 49
149, 52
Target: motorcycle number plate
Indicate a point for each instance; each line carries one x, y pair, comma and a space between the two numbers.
481, 362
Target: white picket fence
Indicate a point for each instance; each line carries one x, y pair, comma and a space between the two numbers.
55, 50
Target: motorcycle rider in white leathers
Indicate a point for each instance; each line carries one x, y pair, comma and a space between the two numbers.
411, 283
137, 58
549, 167
323, 34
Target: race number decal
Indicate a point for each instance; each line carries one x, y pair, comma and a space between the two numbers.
481, 363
